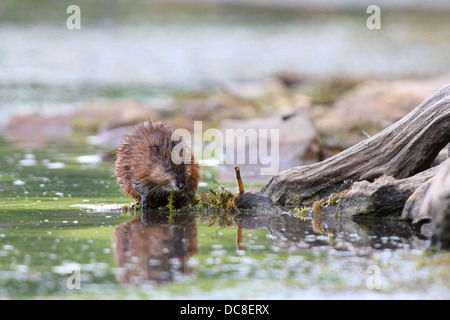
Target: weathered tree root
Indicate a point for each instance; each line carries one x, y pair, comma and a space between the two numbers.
400, 151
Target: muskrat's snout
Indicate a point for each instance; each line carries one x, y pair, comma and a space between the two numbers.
176, 183
181, 181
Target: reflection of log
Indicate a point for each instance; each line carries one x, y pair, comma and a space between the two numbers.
402, 150
294, 234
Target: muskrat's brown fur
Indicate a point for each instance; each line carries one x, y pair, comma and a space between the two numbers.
145, 170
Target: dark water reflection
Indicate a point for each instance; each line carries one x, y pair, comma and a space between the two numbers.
150, 250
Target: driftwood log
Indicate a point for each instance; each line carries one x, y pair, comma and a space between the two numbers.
394, 162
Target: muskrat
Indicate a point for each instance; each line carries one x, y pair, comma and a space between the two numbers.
146, 172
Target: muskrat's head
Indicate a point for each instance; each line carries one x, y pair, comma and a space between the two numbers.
165, 174
174, 178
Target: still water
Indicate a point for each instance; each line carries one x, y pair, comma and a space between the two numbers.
63, 234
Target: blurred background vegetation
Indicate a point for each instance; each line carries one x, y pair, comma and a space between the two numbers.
191, 60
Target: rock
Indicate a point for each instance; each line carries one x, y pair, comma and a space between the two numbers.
436, 205
211, 110
253, 89
112, 114
415, 210
291, 79
297, 145
111, 138
411, 210
108, 121
386, 196
252, 199
372, 106
37, 130
442, 156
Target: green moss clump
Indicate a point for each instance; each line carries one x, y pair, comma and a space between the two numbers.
332, 200
301, 213
132, 206
220, 199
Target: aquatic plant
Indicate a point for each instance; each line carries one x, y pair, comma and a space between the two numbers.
170, 206
217, 199
301, 213
332, 200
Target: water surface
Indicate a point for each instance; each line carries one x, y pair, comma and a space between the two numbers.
59, 217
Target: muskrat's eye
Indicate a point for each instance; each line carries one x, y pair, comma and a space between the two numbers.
154, 148
169, 169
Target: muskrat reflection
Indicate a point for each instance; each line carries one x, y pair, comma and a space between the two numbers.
152, 251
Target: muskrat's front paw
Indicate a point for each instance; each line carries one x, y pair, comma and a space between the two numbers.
144, 203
